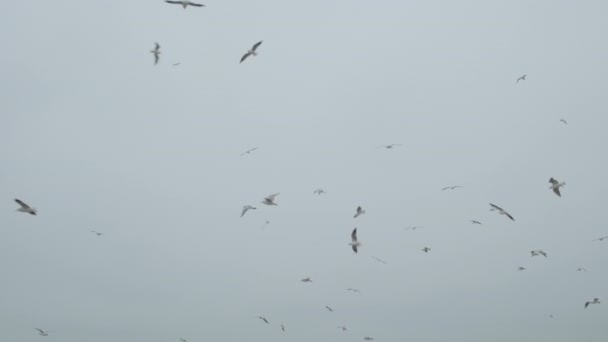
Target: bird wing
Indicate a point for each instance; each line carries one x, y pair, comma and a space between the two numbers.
157, 46
586, 304
245, 208
195, 4
353, 236
245, 56
556, 190
355, 248
564, 121
174, 2
255, 46
509, 216
40, 330
271, 197
155, 58
496, 207
22, 204
447, 187
553, 181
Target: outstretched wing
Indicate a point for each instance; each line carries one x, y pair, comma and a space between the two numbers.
271, 197
195, 4
509, 216
553, 181
587, 304
245, 57
174, 2
353, 236
496, 207
22, 204
556, 190
255, 46
355, 248
244, 210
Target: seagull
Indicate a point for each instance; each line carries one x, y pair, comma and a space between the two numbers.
329, 309
319, 192
581, 269
343, 328
501, 211
25, 208
176, 64
263, 319
388, 147
594, 301
600, 238
353, 290
564, 121
521, 268
475, 222
538, 252
360, 211
451, 187
251, 51
44, 333
270, 199
355, 243
426, 249
380, 260
413, 228
249, 151
246, 208
306, 280
523, 78
183, 339
367, 338
555, 185
156, 52
184, 3
96, 233
283, 327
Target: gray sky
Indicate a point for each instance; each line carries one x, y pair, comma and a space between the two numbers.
97, 138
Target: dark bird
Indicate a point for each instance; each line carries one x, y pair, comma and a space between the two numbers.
522, 78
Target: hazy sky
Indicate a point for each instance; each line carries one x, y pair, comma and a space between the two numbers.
96, 137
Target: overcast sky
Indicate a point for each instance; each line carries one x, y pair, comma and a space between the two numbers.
96, 137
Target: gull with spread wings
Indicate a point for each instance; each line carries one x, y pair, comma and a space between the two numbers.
25, 208
184, 3
249, 151
156, 52
555, 185
501, 211
355, 243
359, 212
252, 51
247, 208
522, 78
270, 199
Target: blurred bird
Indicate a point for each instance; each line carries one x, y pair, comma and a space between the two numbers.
270, 199
25, 208
248, 151
247, 208
283, 327
306, 280
343, 328
263, 319
156, 52
359, 212
184, 3
319, 192
564, 121
475, 222
329, 309
538, 252
594, 301
555, 185
42, 332
521, 268
600, 238
451, 187
522, 78
379, 260
96, 233
581, 269
426, 250
252, 51
388, 147
501, 211
355, 243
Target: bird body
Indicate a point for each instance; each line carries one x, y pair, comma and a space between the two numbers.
555, 185
270, 199
426, 249
521, 268
306, 280
24, 208
329, 309
263, 319
252, 51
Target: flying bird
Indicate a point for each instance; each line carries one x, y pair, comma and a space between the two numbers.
521, 268
263, 319
25, 208
96, 233
251, 51
183, 340
184, 3
538, 252
319, 192
329, 309
270, 199
367, 338
246, 208
156, 52
426, 249
306, 280
353, 290
501, 211
283, 327
564, 121
581, 269
388, 147
342, 327
42, 332
359, 212
522, 78
594, 301
176, 64
475, 222
355, 243
380, 260
413, 228
600, 238
249, 151
451, 187
555, 185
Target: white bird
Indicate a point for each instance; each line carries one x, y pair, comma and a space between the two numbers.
270, 199
380, 260
555, 185
600, 238
359, 212
564, 121
319, 192
451, 187
263, 319
329, 309
156, 52
355, 243
184, 3
249, 151
246, 208
25, 208
306, 280
475, 222
501, 211
538, 252
42, 332
426, 249
594, 301
522, 78
251, 51
521, 268
96, 233
388, 147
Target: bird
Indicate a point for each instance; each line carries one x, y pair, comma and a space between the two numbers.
355, 243
329, 309
183, 339
96, 233
388, 147
270, 199
249, 151
413, 228
246, 208
594, 301
176, 64
538, 252
426, 249
521, 268
25, 208
564, 121
42, 332
367, 338
451, 187
353, 290
522, 78
359, 212
475, 222
342, 327
600, 238
251, 51
283, 327
380, 260
263, 319
156, 52
319, 192
306, 280
184, 3
555, 185
581, 269
501, 211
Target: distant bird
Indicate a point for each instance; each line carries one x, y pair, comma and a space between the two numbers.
156, 52
564, 121
581, 269
521, 268
249, 151
329, 309
367, 338
538, 252
388, 147
600, 238
25, 208
342, 327
319, 192
184, 3
501, 211
359, 212
263, 319
426, 249
413, 228
555, 185
451, 187
380, 260
353, 290
475, 222
42, 332
594, 301
283, 327
96, 233
306, 280
522, 78
355, 243
270, 199
247, 208
183, 340
251, 51
176, 64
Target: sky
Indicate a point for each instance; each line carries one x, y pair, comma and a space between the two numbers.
96, 137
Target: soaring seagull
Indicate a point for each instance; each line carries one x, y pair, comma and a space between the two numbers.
246, 208
319, 192
538, 252
270, 199
42, 332
25, 208
251, 51
581, 269
353, 290
183, 339
283, 327
355, 243
413, 228
359, 212
263, 319
388, 147
501, 211
451, 187
96, 233
184, 3
594, 301
249, 151
475, 222
521, 268
367, 338
156, 52
306, 280
523, 78
343, 328
329, 309
380, 260
426, 249
564, 121
555, 185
